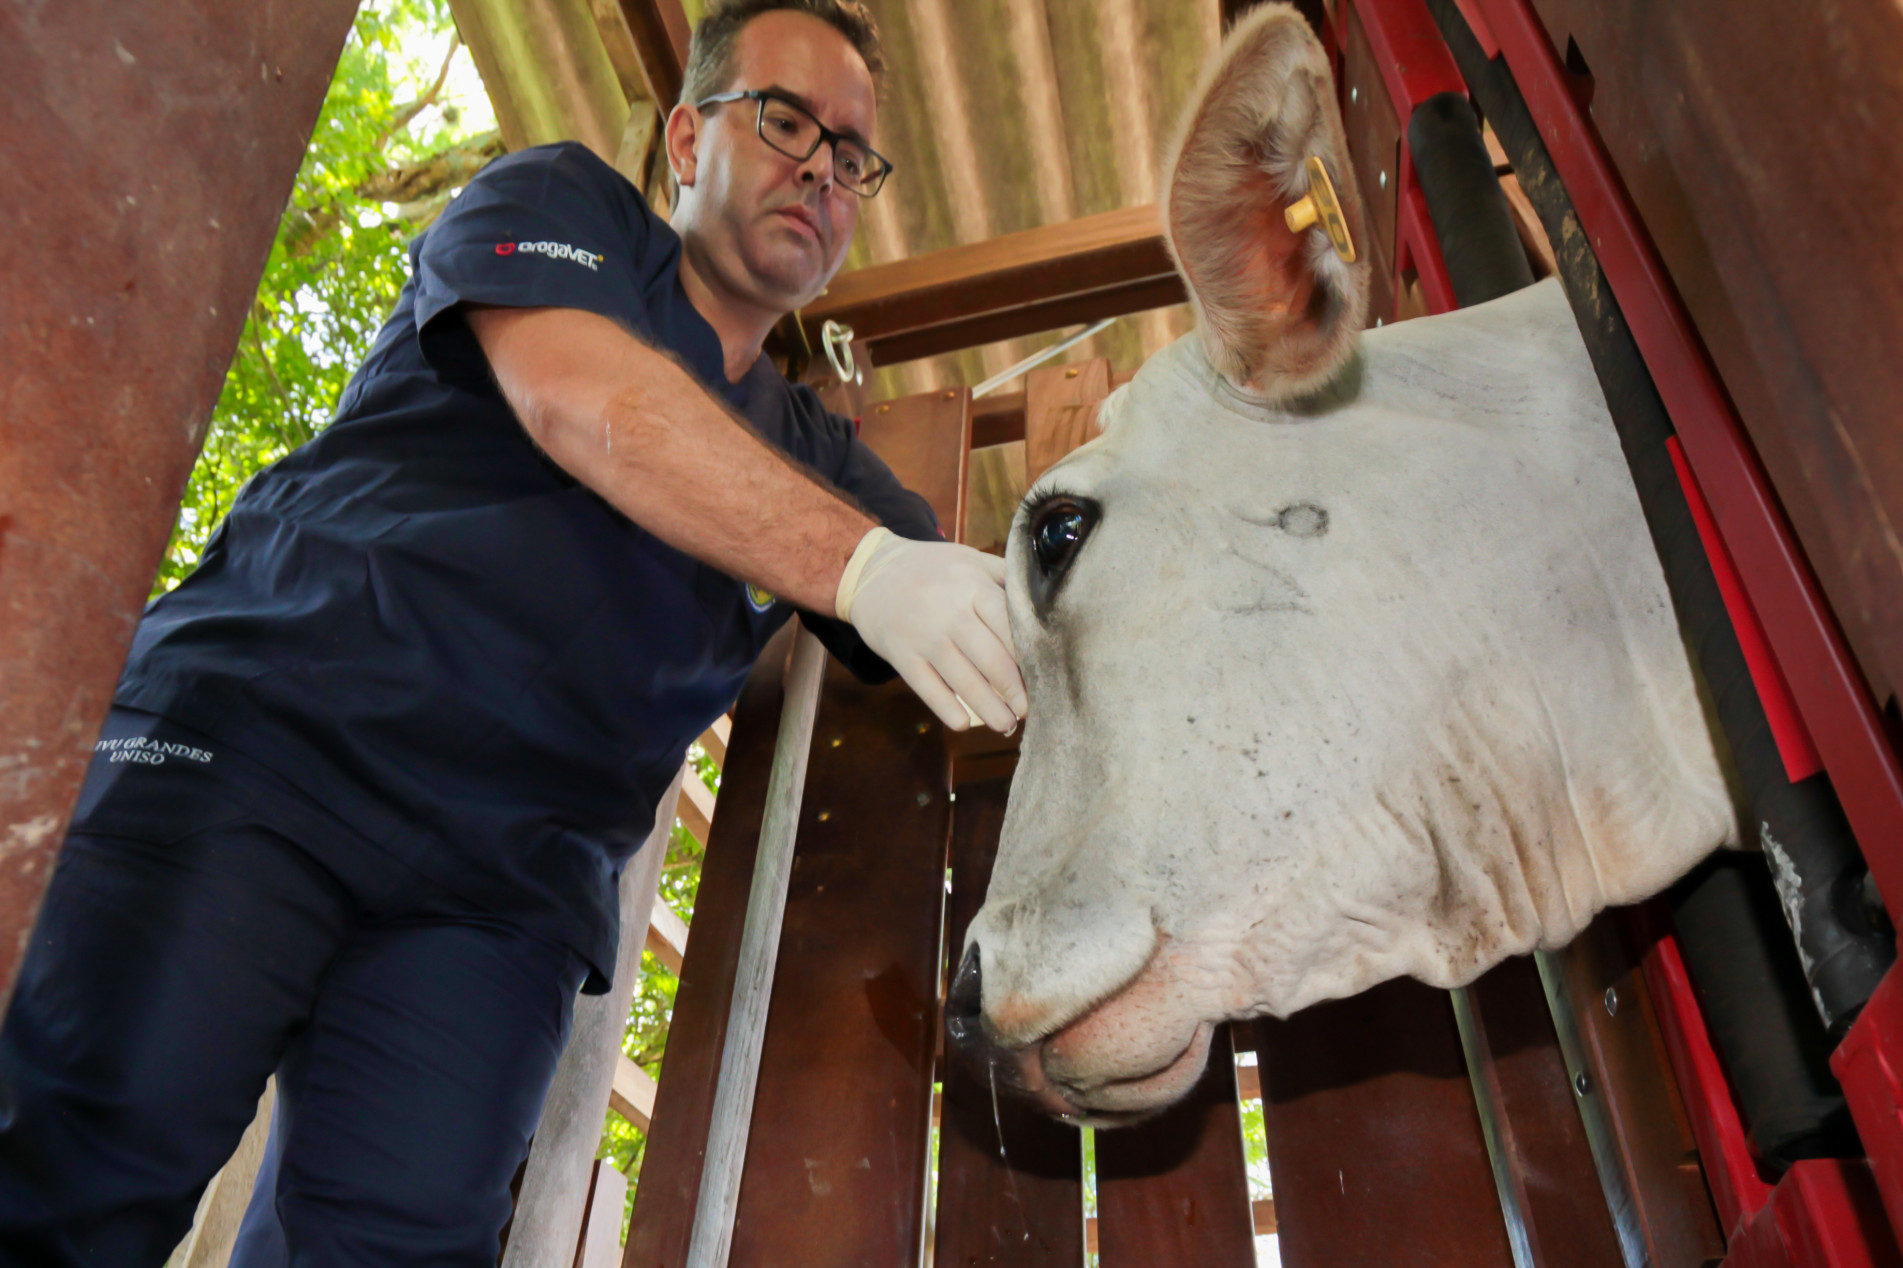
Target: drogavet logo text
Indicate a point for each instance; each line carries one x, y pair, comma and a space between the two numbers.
554, 251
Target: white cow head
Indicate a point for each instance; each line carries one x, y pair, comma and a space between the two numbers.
1348, 659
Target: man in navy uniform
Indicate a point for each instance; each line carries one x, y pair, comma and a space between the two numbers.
372, 773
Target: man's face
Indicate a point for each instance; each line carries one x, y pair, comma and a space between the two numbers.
774, 229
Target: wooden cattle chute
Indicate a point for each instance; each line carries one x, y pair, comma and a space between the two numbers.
1746, 224
1377, 1151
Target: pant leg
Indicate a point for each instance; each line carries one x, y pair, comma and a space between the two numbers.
162, 984
406, 1107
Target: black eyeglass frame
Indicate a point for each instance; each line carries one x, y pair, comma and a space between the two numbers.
826, 134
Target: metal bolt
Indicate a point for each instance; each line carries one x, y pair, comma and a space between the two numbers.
1582, 1083
1612, 1001
925, 799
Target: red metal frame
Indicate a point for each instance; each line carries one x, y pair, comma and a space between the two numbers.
1824, 680
1809, 1218
1737, 1190
1415, 65
1820, 1213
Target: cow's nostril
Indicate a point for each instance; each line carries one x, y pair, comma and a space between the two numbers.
964, 1003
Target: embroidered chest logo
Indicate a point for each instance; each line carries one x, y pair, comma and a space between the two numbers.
760, 599
554, 251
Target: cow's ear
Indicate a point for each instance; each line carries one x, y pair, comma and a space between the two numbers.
1280, 309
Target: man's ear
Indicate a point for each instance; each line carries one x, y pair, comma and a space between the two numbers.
1279, 310
682, 135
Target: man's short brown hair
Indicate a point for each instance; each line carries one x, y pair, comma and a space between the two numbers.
710, 55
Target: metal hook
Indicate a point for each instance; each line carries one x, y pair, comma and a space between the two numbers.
837, 340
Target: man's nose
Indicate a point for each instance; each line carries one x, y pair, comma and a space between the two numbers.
818, 167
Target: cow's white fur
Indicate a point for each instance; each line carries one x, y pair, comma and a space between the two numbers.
1267, 764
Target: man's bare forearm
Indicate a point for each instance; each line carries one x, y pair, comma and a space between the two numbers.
637, 428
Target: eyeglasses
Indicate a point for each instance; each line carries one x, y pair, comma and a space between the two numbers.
794, 132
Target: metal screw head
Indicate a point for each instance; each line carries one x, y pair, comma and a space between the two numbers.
1612, 1001
1582, 1083
1072, 373
1354, 95
883, 409
923, 727
925, 799
1383, 179
825, 815
837, 741
951, 393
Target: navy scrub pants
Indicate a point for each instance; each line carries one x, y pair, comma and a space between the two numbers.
170, 973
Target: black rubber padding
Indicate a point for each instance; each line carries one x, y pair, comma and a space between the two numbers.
1477, 239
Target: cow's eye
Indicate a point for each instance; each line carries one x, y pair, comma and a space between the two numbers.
1058, 528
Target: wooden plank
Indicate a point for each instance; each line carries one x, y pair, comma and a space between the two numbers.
1015, 284
1010, 1180
993, 488
601, 1223
549, 1203
1261, 1212
671, 1167
714, 740
632, 1096
1374, 1145
667, 936
926, 440
696, 806
1060, 411
1175, 1189
660, 33
731, 1121
836, 1162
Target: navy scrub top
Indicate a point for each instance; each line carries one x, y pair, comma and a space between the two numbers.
448, 643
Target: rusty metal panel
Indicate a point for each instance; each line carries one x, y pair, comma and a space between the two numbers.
1375, 1150
148, 150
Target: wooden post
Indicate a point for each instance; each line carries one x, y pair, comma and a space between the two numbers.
677, 1138
550, 1207
148, 148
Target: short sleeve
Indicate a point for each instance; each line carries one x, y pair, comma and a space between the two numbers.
552, 226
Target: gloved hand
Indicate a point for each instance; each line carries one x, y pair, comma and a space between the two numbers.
935, 611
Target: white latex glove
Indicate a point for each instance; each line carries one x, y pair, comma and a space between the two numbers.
935, 611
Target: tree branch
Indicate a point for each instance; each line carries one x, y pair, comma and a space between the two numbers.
405, 114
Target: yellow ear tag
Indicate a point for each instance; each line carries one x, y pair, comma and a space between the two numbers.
1321, 204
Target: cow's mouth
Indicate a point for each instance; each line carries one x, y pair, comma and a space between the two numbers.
1108, 1101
